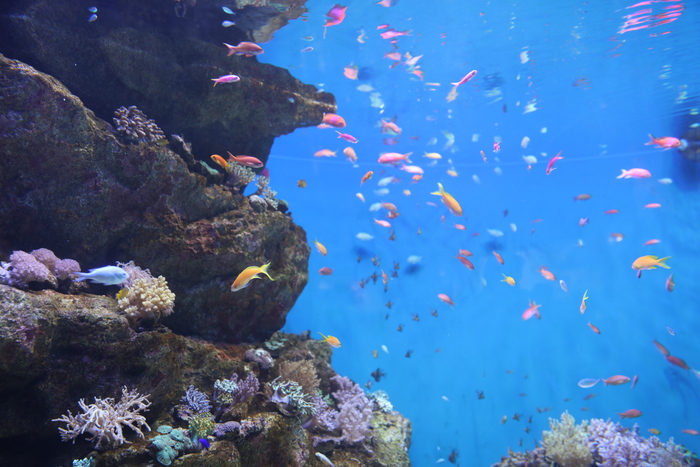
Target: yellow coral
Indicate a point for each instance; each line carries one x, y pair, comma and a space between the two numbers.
567, 443
147, 298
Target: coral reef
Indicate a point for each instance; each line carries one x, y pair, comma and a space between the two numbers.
63, 348
40, 266
105, 420
566, 443
133, 125
147, 298
116, 202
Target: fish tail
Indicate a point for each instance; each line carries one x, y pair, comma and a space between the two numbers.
263, 269
622, 175
653, 140
324, 337
81, 276
662, 262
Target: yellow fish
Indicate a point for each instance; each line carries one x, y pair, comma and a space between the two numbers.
321, 249
448, 200
122, 293
654, 431
248, 274
332, 341
508, 280
649, 262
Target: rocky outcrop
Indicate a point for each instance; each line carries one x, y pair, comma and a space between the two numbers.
161, 56
56, 349
69, 185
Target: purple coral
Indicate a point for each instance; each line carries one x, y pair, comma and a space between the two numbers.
196, 400
355, 410
25, 268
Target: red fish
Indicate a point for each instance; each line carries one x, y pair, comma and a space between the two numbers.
677, 361
336, 15
664, 351
550, 165
445, 298
325, 271
499, 258
594, 328
666, 142
244, 48
466, 78
612, 211
465, 262
248, 161
616, 380
631, 413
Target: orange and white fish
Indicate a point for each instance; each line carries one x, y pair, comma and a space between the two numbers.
247, 161
321, 249
220, 160
583, 306
244, 48
533, 310
332, 341
248, 274
448, 200
665, 142
649, 262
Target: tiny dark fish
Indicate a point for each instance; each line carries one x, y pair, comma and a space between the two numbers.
378, 374
408, 353
453, 456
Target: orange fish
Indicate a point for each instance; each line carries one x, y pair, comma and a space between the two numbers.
351, 71
247, 275
350, 154
448, 200
220, 160
612, 211
582, 197
649, 262
498, 257
385, 278
366, 177
333, 120
383, 223
677, 361
332, 341
445, 298
465, 253
321, 249
616, 380
325, 271
664, 351
692, 432
465, 262
533, 310
508, 280
632, 413
594, 328
244, 48
460, 227
665, 142
325, 153
547, 274
583, 306
670, 284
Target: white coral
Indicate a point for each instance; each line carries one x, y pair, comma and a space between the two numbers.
148, 298
104, 420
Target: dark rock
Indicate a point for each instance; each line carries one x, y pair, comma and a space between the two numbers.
139, 52
69, 185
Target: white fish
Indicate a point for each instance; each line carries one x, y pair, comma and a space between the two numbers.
360, 196
530, 107
530, 159
524, 57
381, 192
588, 383
324, 459
92, 9
227, 24
385, 349
563, 286
385, 181
365, 88
92, 18
107, 275
543, 130
475, 138
440, 461
513, 227
414, 259
495, 232
445, 399
375, 207
364, 236
665, 181
498, 171
524, 142
475, 177
227, 10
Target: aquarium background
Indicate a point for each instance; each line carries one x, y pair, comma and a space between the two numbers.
597, 95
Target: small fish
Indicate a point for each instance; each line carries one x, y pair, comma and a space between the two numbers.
632, 413
582, 197
583, 306
634, 173
448, 200
205, 443
394, 158
665, 181
593, 328
248, 274
654, 431
227, 10
616, 380
93, 17
588, 397
635, 378
408, 353
670, 284
360, 196
324, 459
692, 432
351, 71
228, 24
649, 262
92, 9
465, 79
677, 361
335, 16
588, 383
508, 280
246, 161
550, 165
664, 351
325, 153
665, 142
321, 249
499, 258
611, 211
220, 160
445, 298
332, 341
547, 274
385, 349
533, 310
563, 286
378, 374
350, 154
364, 236
122, 293
226, 79
301, 183
333, 120
244, 48
324, 271
307, 49
107, 275
653, 241
468, 264
366, 177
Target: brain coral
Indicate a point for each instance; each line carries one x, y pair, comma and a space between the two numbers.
147, 298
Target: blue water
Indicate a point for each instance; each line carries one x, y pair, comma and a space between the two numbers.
645, 85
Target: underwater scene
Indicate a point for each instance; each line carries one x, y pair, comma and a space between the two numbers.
377, 233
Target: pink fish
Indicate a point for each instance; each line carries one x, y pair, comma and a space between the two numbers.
532, 311
391, 33
383, 223
466, 78
550, 165
226, 79
248, 161
244, 48
412, 169
347, 137
634, 173
393, 158
336, 15
665, 142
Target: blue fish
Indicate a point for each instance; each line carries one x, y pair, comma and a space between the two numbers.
92, 18
204, 443
107, 275
92, 9
227, 24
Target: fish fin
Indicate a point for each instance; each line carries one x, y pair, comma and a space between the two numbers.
263, 270
662, 262
622, 175
653, 140
324, 337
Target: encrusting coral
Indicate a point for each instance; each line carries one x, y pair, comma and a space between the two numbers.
134, 126
105, 420
41, 265
567, 443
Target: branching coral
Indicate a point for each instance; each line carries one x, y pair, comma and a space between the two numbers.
567, 443
105, 420
290, 398
239, 176
355, 410
134, 126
